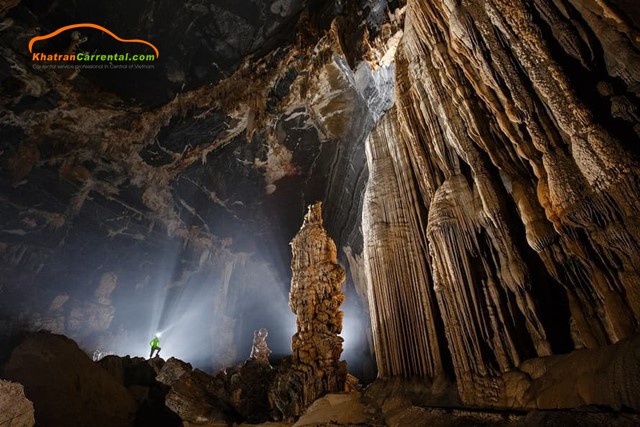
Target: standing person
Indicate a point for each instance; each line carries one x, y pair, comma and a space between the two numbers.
155, 346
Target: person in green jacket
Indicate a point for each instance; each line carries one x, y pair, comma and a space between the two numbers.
155, 346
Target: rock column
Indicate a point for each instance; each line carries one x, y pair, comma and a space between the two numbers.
315, 298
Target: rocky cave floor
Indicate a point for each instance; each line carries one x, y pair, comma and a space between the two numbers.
68, 388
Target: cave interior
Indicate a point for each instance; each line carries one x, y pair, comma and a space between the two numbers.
476, 164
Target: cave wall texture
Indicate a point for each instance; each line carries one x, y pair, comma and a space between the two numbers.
477, 163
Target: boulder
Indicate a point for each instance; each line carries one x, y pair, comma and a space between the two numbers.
173, 370
138, 375
246, 388
65, 386
194, 400
15, 409
343, 408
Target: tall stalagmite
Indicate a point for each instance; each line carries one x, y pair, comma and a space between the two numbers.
315, 298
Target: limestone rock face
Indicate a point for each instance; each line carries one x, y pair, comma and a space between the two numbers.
246, 389
173, 371
96, 314
15, 409
236, 393
190, 398
607, 376
192, 393
399, 288
140, 377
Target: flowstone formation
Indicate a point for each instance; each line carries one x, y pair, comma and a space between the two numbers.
315, 298
500, 219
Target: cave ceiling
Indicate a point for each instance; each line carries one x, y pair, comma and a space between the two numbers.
202, 41
213, 169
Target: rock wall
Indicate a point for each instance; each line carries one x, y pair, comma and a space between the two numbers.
507, 170
607, 376
401, 299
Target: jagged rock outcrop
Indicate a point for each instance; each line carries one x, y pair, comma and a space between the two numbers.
15, 409
236, 393
173, 392
246, 388
172, 371
65, 385
189, 399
